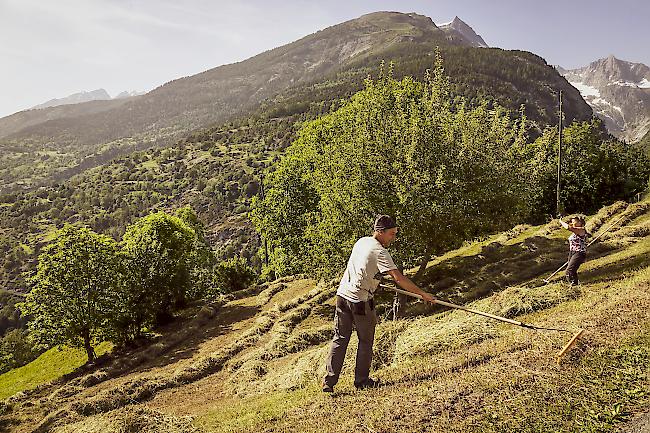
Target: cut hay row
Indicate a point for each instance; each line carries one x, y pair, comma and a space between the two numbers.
300, 300
143, 389
246, 293
632, 231
265, 296
256, 289
455, 329
386, 336
512, 233
603, 215
307, 338
253, 366
277, 346
282, 330
131, 420
549, 228
632, 212
593, 224
516, 301
134, 359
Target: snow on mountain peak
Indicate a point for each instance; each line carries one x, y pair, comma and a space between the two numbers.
617, 91
462, 29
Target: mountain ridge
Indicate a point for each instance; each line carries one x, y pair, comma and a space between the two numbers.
80, 139
459, 28
75, 98
619, 93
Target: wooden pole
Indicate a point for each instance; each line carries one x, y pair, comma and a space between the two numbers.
264, 241
558, 206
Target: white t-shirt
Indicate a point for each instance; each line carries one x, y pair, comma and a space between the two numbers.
368, 258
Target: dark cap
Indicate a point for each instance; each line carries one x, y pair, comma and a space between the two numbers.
384, 222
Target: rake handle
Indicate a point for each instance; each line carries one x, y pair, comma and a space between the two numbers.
558, 270
565, 349
460, 307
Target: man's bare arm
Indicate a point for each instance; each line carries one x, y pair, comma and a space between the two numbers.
405, 282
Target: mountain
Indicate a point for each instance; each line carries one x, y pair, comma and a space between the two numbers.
217, 169
330, 64
76, 98
127, 94
619, 93
645, 141
459, 30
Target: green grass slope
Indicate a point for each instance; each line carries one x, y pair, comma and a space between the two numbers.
254, 362
50, 366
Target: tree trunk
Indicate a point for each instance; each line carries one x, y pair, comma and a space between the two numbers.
89, 348
423, 265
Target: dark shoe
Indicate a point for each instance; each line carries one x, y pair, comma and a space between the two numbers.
327, 388
369, 383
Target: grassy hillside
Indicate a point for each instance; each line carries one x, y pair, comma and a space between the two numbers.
49, 366
253, 363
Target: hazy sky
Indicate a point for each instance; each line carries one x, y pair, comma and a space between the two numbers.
53, 48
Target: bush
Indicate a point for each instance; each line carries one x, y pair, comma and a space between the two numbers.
232, 275
16, 350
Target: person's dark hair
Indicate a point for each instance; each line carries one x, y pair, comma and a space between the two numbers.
384, 222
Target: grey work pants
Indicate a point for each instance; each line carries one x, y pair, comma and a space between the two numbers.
575, 260
348, 315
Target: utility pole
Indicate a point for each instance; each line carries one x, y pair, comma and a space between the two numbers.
558, 207
264, 241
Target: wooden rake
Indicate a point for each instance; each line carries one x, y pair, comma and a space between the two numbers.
559, 356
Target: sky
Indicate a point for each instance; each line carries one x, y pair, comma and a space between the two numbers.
51, 49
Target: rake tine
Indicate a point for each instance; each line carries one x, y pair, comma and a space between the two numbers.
568, 346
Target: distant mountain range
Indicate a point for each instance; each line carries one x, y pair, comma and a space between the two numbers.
619, 93
77, 98
325, 66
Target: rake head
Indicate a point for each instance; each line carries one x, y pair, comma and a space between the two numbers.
569, 345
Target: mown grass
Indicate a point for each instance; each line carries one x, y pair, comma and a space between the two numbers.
50, 366
252, 413
603, 389
131, 420
508, 382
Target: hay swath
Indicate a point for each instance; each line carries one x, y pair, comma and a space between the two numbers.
564, 350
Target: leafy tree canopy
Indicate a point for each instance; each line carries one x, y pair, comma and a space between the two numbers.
447, 171
74, 290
